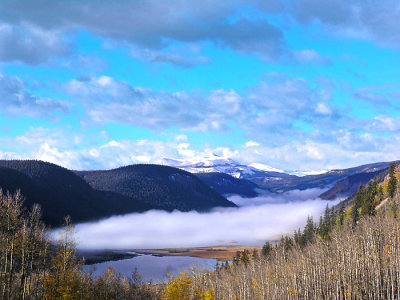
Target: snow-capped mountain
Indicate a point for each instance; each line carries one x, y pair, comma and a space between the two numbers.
265, 168
269, 178
215, 163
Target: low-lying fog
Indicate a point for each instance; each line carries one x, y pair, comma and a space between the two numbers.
257, 220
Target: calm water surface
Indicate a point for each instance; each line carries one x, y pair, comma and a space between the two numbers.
151, 267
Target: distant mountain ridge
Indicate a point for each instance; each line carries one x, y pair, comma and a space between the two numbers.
62, 192
216, 164
269, 178
323, 180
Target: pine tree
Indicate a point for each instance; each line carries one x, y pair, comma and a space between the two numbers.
392, 184
342, 214
245, 258
368, 207
308, 233
266, 249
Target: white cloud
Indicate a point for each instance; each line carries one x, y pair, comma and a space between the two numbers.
323, 109
181, 138
30, 44
344, 149
155, 24
374, 21
270, 107
251, 144
16, 100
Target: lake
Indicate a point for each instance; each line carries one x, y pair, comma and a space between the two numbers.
150, 267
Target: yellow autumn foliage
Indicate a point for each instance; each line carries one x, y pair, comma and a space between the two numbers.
179, 288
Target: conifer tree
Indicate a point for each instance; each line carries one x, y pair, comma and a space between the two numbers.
266, 249
392, 184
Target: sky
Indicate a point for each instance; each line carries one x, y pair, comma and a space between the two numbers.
295, 84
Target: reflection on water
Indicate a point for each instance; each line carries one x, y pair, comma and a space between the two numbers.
151, 267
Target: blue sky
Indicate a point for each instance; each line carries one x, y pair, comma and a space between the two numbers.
298, 85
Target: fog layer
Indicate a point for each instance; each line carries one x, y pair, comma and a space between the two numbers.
257, 220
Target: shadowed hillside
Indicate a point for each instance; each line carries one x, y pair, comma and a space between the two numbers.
227, 185
62, 192
316, 181
349, 185
167, 187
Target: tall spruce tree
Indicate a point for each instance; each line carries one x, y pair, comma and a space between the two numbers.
392, 184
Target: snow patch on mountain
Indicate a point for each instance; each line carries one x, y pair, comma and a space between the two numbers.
215, 163
265, 168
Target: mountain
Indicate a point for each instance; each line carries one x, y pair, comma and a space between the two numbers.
228, 185
269, 178
320, 180
382, 178
62, 192
216, 164
348, 186
166, 187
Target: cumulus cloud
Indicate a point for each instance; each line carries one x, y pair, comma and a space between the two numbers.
155, 25
15, 100
134, 22
275, 103
384, 124
375, 21
338, 149
378, 96
30, 44
266, 218
323, 109
252, 144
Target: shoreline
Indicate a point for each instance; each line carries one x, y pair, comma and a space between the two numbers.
221, 253
211, 252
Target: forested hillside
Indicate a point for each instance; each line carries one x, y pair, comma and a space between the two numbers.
352, 253
61, 192
228, 185
166, 187
348, 186
323, 180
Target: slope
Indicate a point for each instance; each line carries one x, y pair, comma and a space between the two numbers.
349, 185
167, 187
60, 192
313, 181
228, 185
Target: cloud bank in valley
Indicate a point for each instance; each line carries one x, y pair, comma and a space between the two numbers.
257, 220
